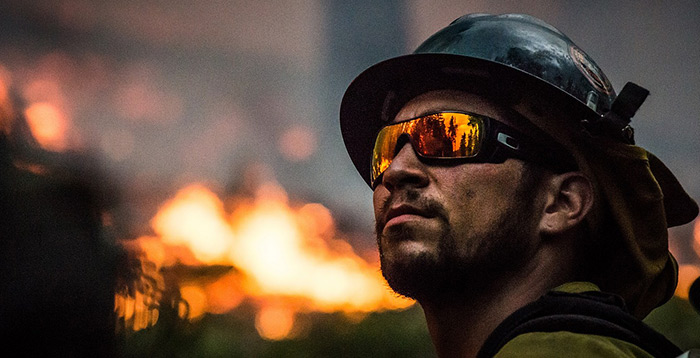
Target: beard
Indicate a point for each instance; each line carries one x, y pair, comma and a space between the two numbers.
457, 268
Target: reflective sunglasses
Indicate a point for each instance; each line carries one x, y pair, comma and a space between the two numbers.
463, 136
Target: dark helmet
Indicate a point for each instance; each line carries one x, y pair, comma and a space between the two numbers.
525, 63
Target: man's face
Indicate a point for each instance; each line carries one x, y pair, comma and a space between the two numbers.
449, 228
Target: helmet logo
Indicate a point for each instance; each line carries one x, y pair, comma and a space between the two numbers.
590, 70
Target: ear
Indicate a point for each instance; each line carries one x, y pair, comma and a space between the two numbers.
569, 198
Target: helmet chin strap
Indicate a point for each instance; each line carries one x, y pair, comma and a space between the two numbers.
615, 123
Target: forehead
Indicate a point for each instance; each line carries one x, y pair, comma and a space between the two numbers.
443, 100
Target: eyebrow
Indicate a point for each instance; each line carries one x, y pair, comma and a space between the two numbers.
434, 110
428, 111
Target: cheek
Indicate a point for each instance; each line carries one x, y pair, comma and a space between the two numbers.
480, 195
379, 197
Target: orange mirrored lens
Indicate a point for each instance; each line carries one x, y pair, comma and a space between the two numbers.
440, 135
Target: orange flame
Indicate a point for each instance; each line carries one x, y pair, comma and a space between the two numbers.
5, 104
48, 126
688, 273
274, 322
696, 237
286, 258
138, 310
686, 276
195, 218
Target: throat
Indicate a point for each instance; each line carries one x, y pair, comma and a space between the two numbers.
459, 324
459, 329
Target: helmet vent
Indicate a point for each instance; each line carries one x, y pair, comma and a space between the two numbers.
592, 100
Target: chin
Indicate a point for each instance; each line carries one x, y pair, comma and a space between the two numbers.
411, 275
423, 278
413, 249
411, 258
418, 270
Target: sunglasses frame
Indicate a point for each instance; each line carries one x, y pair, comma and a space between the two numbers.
499, 142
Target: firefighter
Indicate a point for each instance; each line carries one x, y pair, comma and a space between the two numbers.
510, 199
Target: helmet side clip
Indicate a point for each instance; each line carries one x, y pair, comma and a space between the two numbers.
616, 122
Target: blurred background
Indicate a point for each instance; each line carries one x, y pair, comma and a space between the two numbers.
174, 181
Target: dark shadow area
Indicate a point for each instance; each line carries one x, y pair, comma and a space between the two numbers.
57, 260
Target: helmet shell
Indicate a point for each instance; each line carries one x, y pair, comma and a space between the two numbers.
528, 44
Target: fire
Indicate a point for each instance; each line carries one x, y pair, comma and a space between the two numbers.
137, 304
696, 237
274, 322
5, 103
284, 258
686, 276
281, 258
48, 126
196, 300
195, 219
688, 273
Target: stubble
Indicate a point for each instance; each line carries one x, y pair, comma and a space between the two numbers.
461, 265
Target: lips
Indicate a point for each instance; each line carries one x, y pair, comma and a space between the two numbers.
404, 212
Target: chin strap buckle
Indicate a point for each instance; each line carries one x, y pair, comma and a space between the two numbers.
616, 123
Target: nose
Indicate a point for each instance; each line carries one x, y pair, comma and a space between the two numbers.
405, 170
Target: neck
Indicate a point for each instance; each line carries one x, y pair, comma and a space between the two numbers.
460, 324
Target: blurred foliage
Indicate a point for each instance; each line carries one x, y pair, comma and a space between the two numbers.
387, 334
678, 321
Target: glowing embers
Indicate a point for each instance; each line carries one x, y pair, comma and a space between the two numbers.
298, 143
195, 219
49, 126
688, 269
6, 106
281, 258
137, 299
688, 273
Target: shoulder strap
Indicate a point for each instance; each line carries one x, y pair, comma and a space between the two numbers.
586, 313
